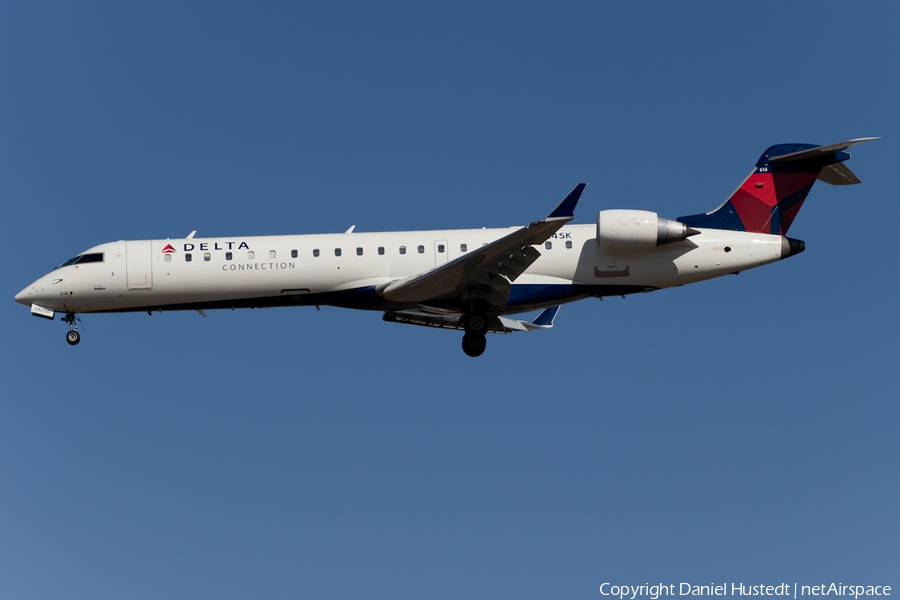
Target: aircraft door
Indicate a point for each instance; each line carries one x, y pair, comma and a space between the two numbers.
440, 252
139, 265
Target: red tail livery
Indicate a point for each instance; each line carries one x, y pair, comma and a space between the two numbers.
771, 196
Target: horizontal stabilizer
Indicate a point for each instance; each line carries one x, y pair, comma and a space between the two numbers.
838, 174
818, 151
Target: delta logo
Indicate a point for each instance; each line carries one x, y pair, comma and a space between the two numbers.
168, 249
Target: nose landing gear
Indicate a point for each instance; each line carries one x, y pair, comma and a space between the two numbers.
73, 337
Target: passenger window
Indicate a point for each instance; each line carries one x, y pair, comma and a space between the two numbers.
271, 254
568, 244
293, 254
206, 256
167, 257
441, 248
548, 245
359, 251
463, 248
187, 257
251, 255
316, 252
402, 249
380, 250
421, 249
228, 256
337, 251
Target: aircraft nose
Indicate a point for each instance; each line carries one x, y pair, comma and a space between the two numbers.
24, 297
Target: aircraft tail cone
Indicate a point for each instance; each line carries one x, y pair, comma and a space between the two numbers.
790, 247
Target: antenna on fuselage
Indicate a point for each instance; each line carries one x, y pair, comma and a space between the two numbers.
191, 235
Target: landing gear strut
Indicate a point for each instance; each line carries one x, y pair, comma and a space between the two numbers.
73, 337
476, 326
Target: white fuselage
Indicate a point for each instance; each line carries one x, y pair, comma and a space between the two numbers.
346, 269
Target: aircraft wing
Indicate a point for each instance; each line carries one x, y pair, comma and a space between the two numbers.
488, 272
496, 324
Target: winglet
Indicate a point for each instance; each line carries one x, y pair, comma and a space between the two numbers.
545, 319
565, 210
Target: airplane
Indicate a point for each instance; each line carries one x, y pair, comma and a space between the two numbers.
470, 279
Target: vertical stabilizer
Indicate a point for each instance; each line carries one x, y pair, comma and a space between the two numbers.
769, 199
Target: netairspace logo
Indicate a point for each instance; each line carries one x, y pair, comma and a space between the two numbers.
632, 592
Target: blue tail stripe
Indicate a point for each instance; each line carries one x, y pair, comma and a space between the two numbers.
724, 218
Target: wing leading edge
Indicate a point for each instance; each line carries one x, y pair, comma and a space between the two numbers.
488, 272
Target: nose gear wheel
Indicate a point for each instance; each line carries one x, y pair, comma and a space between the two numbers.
73, 337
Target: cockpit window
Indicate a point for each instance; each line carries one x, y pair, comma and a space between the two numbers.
83, 258
71, 261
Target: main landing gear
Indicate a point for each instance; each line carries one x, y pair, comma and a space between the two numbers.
73, 337
476, 326
474, 345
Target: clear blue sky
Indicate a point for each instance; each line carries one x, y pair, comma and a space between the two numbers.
739, 430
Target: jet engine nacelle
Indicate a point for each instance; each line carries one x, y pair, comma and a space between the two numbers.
623, 230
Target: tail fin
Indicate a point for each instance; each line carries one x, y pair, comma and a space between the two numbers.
771, 196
